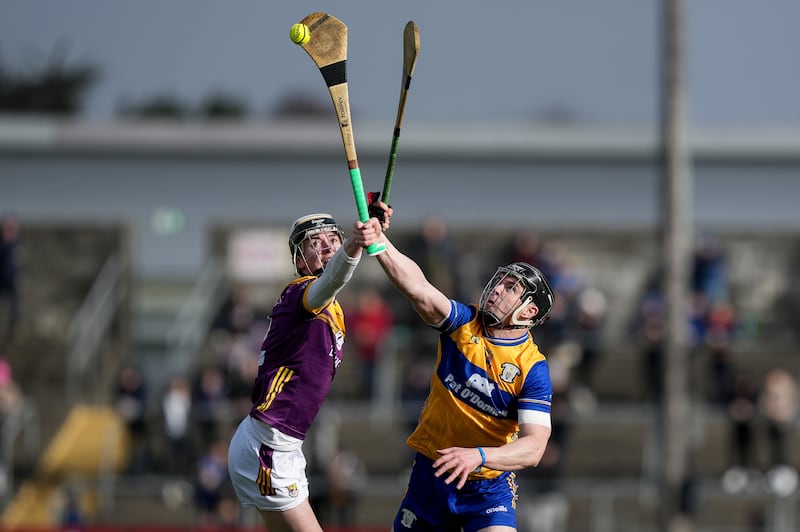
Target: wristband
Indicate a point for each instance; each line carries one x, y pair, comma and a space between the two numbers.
483, 456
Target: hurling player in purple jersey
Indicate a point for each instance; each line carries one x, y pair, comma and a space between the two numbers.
298, 360
487, 413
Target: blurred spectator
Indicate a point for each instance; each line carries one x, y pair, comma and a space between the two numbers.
415, 388
722, 374
788, 303
176, 410
591, 310
234, 338
526, 246
438, 255
709, 269
698, 321
241, 377
368, 327
566, 283
212, 484
130, 402
10, 393
72, 515
719, 327
778, 402
229, 512
239, 349
712, 326
346, 478
650, 333
9, 268
10, 402
210, 403
721, 322
756, 519
742, 411
237, 312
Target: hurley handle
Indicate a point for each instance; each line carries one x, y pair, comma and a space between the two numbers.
361, 204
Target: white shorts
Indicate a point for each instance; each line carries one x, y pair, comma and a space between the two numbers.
270, 480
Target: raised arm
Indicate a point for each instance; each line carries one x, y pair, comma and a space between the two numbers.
432, 305
341, 266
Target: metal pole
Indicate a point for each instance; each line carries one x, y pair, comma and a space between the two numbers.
676, 247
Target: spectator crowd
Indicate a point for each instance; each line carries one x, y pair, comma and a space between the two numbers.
182, 430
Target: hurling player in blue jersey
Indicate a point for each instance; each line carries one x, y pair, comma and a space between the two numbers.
299, 357
488, 409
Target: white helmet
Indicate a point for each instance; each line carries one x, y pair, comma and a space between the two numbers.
307, 226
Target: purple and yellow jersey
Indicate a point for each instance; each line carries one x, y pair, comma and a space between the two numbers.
298, 360
479, 386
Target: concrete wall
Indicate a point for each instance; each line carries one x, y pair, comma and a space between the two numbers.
187, 178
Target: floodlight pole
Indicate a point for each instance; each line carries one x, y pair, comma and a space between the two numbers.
676, 242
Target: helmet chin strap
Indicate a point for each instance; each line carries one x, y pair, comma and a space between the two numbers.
316, 272
515, 321
491, 320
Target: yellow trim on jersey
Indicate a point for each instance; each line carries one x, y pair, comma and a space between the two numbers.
335, 320
475, 382
282, 376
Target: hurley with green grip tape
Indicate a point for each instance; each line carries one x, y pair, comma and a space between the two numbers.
327, 47
410, 52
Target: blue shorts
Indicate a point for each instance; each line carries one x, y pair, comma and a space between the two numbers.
431, 505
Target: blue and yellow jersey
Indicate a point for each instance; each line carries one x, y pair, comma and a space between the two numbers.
479, 386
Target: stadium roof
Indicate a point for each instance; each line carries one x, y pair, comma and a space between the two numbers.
477, 140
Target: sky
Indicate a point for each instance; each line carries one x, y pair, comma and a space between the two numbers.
596, 61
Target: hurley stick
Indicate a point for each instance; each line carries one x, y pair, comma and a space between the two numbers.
410, 51
325, 41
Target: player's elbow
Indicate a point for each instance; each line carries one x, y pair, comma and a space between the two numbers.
535, 450
532, 458
536, 459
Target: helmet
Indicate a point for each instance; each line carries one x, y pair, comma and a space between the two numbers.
306, 226
536, 290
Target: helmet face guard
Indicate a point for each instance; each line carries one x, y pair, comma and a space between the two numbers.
304, 228
517, 280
